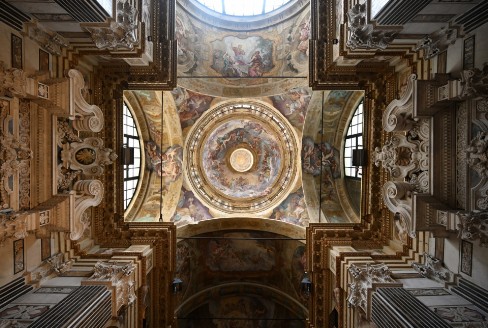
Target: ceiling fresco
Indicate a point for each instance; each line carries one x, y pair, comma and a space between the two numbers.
247, 263
322, 168
235, 156
219, 61
162, 162
262, 173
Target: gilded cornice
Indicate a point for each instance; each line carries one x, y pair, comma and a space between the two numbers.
326, 70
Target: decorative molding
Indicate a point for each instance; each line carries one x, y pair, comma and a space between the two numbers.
473, 226
477, 154
85, 117
437, 42
12, 81
112, 271
397, 197
88, 156
363, 35
121, 276
401, 156
433, 269
461, 155
89, 193
14, 157
398, 114
50, 41
12, 226
474, 83
53, 266
364, 278
121, 33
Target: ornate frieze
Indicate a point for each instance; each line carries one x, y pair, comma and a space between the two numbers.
433, 269
88, 156
122, 33
53, 266
461, 155
120, 275
362, 34
437, 42
474, 226
477, 154
363, 278
474, 82
112, 271
12, 81
402, 156
12, 225
51, 41
14, 158
89, 193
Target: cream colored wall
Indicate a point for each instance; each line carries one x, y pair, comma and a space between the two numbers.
7, 263
30, 49
32, 245
452, 244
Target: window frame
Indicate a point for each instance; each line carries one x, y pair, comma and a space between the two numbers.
355, 135
219, 6
130, 172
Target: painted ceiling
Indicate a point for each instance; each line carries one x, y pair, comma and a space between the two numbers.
242, 157
241, 149
220, 61
230, 275
241, 135
255, 157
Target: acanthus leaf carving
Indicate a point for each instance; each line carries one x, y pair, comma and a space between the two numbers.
477, 154
364, 35
437, 42
433, 269
12, 225
13, 81
14, 157
53, 266
121, 276
88, 156
89, 193
474, 226
51, 41
398, 199
85, 117
402, 156
363, 278
121, 32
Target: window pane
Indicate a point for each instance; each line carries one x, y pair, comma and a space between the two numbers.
353, 140
131, 172
243, 7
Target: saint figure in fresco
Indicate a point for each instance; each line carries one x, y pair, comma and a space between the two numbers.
303, 38
256, 64
239, 54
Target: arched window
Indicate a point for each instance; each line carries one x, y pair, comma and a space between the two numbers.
243, 8
353, 141
131, 168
